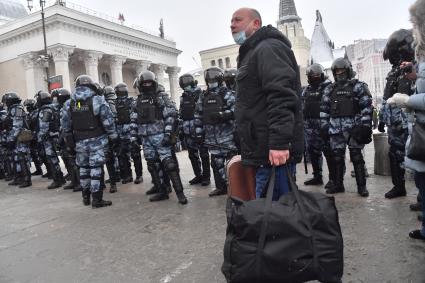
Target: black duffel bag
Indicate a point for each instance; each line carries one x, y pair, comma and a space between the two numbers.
295, 239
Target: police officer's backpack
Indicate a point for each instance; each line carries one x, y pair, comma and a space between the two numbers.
295, 239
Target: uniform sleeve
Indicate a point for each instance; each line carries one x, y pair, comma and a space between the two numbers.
230, 104
278, 78
133, 119
17, 123
365, 104
325, 108
199, 127
43, 124
170, 114
107, 118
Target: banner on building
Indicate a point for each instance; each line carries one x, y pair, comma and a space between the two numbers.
55, 82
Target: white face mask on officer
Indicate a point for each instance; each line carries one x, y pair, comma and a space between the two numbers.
212, 85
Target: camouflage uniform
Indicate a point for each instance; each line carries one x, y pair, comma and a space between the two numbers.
153, 120
198, 153
396, 121
48, 134
32, 122
129, 148
4, 167
315, 143
19, 150
90, 144
217, 130
339, 122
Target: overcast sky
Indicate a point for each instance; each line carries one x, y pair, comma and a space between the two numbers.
197, 25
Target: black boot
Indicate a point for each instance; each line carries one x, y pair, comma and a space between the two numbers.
317, 171
397, 176
138, 180
338, 181
196, 166
416, 206
159, 191
98, 200
26, 175
331, 170
196, 180
58, 179
38, 171
113, 188
138, 167
17, 180
220, 184
359, 169
126, 180
86, 196
172, 168
73, 178
153, 190
206, 166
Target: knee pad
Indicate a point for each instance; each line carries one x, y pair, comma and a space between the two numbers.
170, 165
151, 164
356, 156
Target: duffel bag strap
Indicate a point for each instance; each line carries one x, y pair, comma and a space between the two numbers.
263, 231
296, 192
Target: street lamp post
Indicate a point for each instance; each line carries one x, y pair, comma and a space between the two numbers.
46, 55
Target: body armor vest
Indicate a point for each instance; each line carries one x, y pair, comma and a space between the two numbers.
84, 123
54, 124
123, 112
312, 105
343, 102
188, 107
148, 110
213, 103
32, 121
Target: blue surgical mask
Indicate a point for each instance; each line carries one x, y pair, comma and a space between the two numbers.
239, 37
188, 88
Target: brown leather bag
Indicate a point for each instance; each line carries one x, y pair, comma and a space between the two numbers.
241, 179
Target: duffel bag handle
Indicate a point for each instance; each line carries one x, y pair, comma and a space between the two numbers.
268, 205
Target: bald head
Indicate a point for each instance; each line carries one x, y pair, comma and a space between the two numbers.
246, 19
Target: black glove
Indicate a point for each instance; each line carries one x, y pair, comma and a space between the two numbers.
381, 127
324, 134
168, 140
362, 134
199, 139
114, 143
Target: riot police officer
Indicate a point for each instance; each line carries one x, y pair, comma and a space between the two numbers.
214, 122
19, 152
89, 119
32, 122
346, 117
154, 118
230, 78
110, 152
68, 154
3, 143
48, 134
128, 147
198, 153
312, 97
398, 49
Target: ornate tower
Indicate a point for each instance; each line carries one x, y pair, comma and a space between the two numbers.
289, 24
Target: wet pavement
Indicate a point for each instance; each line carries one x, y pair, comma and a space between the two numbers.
49, 236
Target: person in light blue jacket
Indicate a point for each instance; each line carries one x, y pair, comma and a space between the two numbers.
415, 104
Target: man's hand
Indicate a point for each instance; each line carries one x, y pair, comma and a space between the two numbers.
278, 157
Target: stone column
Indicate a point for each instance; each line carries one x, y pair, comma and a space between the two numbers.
91, 60
60, 54
159, 70
35, 78
174, 82
116, 68
141, 66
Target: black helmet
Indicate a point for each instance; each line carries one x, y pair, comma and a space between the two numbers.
186, 80
121, 89
43, 98
230, 77
109, 93
342, 69
399, 47
315, 74
30, 104
85, 80
61, 94
214, 75
147, 82
11, 98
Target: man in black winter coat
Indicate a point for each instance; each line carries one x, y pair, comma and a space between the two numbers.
268, 107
